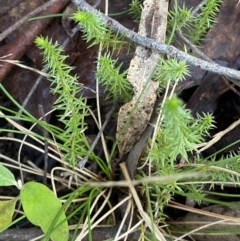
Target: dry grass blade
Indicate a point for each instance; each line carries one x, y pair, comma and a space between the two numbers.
203, 212
18, 63
218, 136
143, 214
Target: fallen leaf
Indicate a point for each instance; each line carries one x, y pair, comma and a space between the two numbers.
20, 44
134, 115
6, 212
41, 207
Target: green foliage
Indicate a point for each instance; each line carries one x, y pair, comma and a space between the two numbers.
205, 19
136, 10
196, 25
174, 148
93, 27
95, 31
176, 139
115, 82
6, 177
170, 70
44, 209
224, 169
40, 206
179, 133
73, 108
179, 17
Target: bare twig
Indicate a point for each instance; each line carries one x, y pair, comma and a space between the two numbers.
15, 26
205, 57
193, 47
82, 163
218, 136
162, 48
31, 92
198, 7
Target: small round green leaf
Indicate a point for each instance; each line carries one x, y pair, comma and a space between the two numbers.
41, 207
6, 177
6, 212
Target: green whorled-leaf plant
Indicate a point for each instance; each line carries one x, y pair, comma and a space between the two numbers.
179, 133
114, 81
176, 136
93, 27
174, 149
178, 17
197, 24
136, 10
95, 31
204, 20
73, 108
